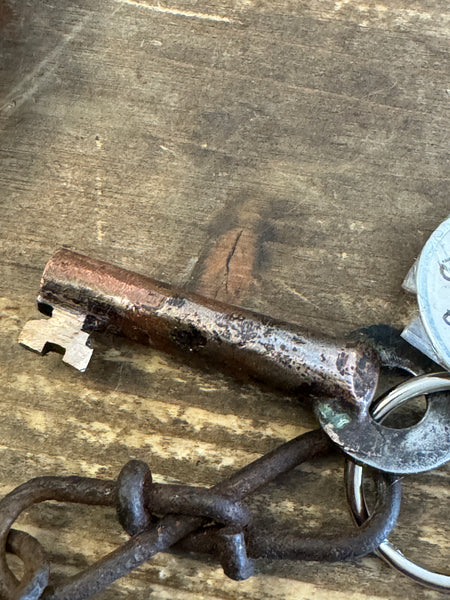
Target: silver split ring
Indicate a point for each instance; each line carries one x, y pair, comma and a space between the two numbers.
417, 386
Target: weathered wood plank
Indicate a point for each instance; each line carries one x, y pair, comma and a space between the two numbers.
289, 157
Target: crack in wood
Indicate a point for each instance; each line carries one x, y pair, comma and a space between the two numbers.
230, 256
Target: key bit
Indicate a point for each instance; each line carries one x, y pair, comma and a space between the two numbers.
82, 295
62, 333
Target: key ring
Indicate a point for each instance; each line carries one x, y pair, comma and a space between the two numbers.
426, 384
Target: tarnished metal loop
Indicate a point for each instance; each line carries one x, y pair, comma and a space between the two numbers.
421, 447
234, 543
199, 502
233, 553
138, 497
387, 551
36, 567
297, 545
64, 489
354, 479
131, 511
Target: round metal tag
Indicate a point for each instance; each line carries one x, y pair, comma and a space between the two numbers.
414, 449
433, 291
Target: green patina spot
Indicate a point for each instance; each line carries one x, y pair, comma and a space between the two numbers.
333, 418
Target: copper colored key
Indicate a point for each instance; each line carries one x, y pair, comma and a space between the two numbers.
82, 295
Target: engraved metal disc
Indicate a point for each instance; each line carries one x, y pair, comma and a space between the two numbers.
433, 291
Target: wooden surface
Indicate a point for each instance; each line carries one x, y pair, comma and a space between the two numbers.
288, 156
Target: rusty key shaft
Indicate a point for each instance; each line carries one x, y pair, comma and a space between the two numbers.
96, 295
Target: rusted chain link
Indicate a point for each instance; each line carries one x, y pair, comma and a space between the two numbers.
233, 535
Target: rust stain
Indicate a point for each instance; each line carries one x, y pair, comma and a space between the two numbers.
6, 14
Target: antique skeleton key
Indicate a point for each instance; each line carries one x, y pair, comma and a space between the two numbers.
82, 295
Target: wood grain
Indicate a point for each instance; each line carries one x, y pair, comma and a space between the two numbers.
290, 157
